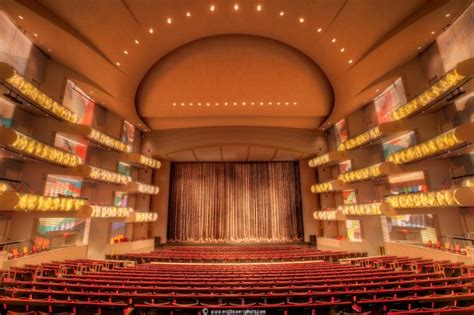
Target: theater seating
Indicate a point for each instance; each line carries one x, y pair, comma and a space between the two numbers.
236, 254
366, 285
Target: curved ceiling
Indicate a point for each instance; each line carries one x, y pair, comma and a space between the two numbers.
110, 46
234, 80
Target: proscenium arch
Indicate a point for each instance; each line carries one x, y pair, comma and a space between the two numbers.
235, 67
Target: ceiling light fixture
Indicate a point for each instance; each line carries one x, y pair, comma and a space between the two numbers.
49, 49
125, 52
169, 20
137, 42
117, 63
226, 104
35, 35
243, 103
20, 17
301, 20
419, 47
208, 104
432, 32
282, 13
188, 14
199, 104
182, 104
286, 103
377, 90
319, 30
261, 103
350, 61
190, 104
342, 49
174, 104
259, 7
235, 104
333, 40
294, 103
150, 30
236, 7
212, 8
448, 15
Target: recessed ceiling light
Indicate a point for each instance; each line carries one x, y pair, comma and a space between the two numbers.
150, 30
117, 63
91, 92
259, 7
377, 90
236, 7
282, 13
333, 40
20, 17
226, 104
319, 30
49, 49
278, 103
217, 104
350, 61
212, 8
301, 20
174, 104
190, 104
261, 103
419, 47
169, 20
448, 15
199, 104
188, 14
342, 49
243, 103
270, 103
35, 35
137, 42
208, 104
235, 103
286, 103
432, 32
253, 103
125, 52
295, 103
182, 104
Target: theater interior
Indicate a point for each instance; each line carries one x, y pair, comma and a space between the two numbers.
221, 157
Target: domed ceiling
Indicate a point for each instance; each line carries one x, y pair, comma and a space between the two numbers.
234, 80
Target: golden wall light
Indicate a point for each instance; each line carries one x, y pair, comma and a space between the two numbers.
468, 182
142, 217
374, 171
141, 188
14, 201
16, 81
333, 185
21, 143
4, 187
438, 144
329, 215
328, 158
94, 211
100, 174
95, 136
375, 208
141, 160
376, 133
454, 197
452, 78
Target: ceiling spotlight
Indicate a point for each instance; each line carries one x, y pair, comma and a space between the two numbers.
174, 104
20, 17
286, 103
259, 7
212, 8
49, 49
419, 47
261, 103
447, 15
190, 104
217, 104
125, 52
301, 20
117, 63
35, 35
188, 14
226, 104
182, 104
150, 30
432, 32
236, 7
168, 20
278, 103
235, 103
199, 104
253, 103
137, 42
342, 49
208, 104
350, 61
282, 13
243, 103
333, 40
319, 30
377, 90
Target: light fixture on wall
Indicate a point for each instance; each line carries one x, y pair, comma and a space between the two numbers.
454, 197
329, 215
370, 172
446, 141
451, 79
30, 202
21, 143
94, 211
333, 185
100, 174
328, 158
141, 188
15, 80
374, 208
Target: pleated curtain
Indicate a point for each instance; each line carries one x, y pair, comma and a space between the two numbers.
235, 202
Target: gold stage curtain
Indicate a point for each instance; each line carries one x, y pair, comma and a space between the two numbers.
235, 202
